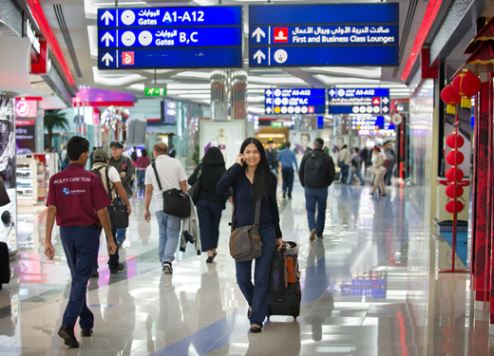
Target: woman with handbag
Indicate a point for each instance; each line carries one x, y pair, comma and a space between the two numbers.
255, 211
209, 202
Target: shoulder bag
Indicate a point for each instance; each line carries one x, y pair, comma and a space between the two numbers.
245, 241
194, 190
175, 202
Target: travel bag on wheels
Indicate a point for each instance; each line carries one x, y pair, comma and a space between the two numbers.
284, 286
4, 264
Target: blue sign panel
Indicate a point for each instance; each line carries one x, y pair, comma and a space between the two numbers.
358, 101
302, 101
324, 35
172, 37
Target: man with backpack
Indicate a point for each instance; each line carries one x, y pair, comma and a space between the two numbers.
125, 168
316, 175
114, 188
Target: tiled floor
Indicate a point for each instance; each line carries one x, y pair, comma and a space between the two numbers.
369, 288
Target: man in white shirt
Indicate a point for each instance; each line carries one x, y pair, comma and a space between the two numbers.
110, 178
172, 176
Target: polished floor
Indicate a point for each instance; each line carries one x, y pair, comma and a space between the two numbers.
369, 288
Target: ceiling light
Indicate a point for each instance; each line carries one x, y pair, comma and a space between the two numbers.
92, 35
114, 79
137, 87
328, 80
255, 99
255, 110
355, 72
193, 75
276, 80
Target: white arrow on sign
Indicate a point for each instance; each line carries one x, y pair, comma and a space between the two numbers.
269, 92
107, 58
259, 56
385, 100
258, 34
107, 38
385, 109
332, 92
107, 17
269, 110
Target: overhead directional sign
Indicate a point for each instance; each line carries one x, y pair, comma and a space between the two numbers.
358, 101
170, 37
302, 101
324, 35
155, 91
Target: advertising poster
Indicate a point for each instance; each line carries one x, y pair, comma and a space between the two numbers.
7, 173
226, 135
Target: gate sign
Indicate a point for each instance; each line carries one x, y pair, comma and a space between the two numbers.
358, 101
324, 35
304, 101
170, 37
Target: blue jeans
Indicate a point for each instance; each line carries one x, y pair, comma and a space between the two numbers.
345, 169
140, 180
288, 176
356, 172
316, 197
209, 215
120, 236
257, 294
169, 229
81, 246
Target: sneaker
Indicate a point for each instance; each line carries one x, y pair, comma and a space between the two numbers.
313, 234
167, 268
68, 337
120, 267
210, 259
255, 328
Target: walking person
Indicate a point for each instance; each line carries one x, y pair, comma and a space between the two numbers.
390, 161
78, 202
344, 161
379, 171
356, 168
251, 180
141, 164
112, 183
171, 175
210, 203
272, 156
288, 162
125, 168
316, 175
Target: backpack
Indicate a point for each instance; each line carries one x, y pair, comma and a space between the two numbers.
314, 172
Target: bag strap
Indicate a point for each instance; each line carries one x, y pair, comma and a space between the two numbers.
109, 185
257, 213
157, 176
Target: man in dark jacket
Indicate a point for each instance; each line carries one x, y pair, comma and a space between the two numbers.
125, 168
272, 156
316, 175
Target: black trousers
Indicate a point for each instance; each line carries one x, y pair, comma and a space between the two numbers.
288, 176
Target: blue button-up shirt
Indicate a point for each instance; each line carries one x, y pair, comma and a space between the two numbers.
287, 159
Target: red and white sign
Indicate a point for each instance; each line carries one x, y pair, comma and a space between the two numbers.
376, 101
25, 108
280, 35
128, 58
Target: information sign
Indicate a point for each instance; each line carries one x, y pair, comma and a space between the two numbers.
170, 37
324, 35
294, 101
358, 101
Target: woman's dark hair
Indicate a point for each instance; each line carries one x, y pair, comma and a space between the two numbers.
213, 157
76, 147
263, 179
144, 152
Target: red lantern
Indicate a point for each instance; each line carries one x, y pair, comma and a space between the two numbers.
454, 191
454, 172
454, 207
455, 157
449, 96
466, 83
452, 138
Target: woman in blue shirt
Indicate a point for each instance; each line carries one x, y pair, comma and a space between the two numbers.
250, 178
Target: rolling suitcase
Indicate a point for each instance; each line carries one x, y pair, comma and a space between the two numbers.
284, 286
4, 264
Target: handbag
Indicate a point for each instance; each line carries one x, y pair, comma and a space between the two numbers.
175, 202
194, 190
245, 241
117, 210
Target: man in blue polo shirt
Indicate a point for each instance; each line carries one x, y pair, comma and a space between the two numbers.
78, 201
288, 162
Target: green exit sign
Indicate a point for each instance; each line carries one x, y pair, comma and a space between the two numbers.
276, 124
154, 91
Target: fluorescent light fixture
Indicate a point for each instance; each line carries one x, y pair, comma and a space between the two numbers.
256, 110
255, 99
193, 75
276, 80
114, 79
195, 96
137, 87
328, 80
354, 72
92, 35
188, 86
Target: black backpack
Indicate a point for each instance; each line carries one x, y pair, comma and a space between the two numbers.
317, 172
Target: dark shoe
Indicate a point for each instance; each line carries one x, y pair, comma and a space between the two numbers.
120, 267
313, 234
167, 268
320, 237
95, 274
284, 195
86, 332
255, 328
249, 312
289, 195
68, 337
210, 259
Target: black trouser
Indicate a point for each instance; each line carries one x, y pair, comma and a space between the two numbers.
113, 260
288, 176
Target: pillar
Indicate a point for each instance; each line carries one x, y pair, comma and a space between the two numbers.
219, 96
39, 129
238, 94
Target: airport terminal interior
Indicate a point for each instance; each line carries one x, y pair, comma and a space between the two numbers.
355, 138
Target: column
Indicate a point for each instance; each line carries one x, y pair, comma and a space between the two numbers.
39, 129
238, 94
219, 96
